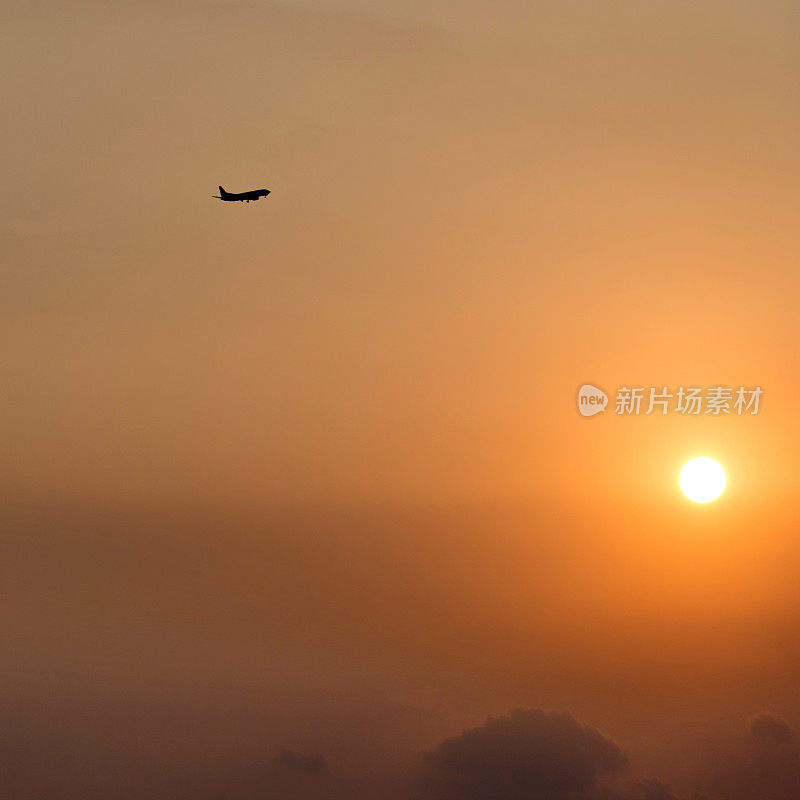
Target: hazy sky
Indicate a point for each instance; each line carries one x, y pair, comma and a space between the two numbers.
309, 472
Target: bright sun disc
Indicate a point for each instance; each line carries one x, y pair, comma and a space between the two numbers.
702, 479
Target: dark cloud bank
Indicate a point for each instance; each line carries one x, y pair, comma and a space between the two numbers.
764, 766
522, 755
529, 754
539, 756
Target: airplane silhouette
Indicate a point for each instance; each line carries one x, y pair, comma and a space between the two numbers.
241, 196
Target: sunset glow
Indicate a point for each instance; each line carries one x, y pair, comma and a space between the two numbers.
400, 400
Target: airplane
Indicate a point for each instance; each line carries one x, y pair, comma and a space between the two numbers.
241, 196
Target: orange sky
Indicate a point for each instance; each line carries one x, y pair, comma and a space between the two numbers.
326, 445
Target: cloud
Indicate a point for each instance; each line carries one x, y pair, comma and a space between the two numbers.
524, 754
770, 730
649, 790
290, 761
289, 775
535, 755
764, 765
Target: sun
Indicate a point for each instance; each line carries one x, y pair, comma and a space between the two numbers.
702, 479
